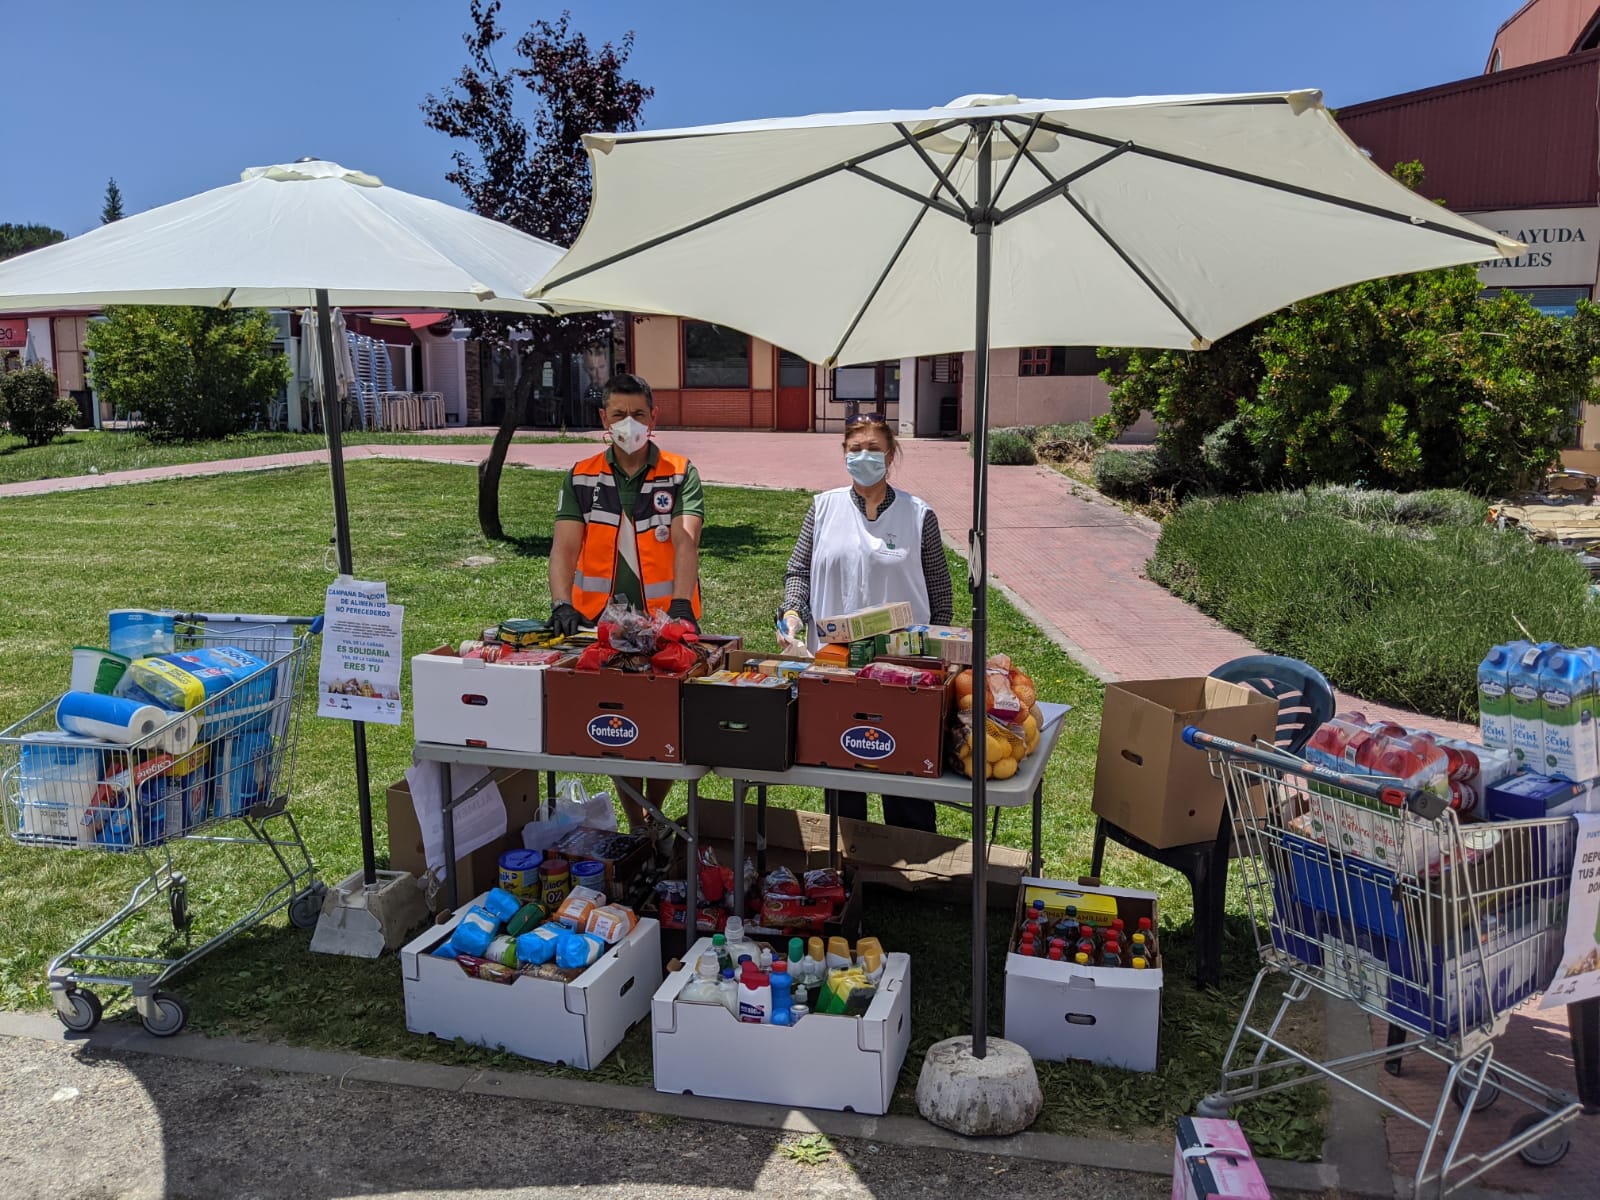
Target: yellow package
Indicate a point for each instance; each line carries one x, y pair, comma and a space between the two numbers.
190, 763
1094, 908
168, 684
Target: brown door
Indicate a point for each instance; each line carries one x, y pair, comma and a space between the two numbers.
794, 393
67, 334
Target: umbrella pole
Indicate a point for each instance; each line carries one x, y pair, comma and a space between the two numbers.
332, 418
977, 574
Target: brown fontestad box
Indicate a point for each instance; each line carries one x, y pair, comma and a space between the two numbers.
1151, 783
614, 714
860, 724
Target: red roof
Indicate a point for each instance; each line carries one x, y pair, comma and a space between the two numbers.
1525, 138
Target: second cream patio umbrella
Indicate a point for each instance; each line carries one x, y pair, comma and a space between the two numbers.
1163, 221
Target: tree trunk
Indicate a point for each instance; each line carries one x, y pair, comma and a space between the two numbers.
490, 468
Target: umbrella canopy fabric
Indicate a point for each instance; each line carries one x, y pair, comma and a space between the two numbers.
1161, 221
30, 351
344, 367
279, 233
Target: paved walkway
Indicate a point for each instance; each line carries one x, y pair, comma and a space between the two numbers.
1073, 560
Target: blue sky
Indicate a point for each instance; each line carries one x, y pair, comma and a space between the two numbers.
176, 96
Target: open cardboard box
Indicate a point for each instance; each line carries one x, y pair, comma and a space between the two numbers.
825, 1061
930, 864
727, 725
576, 1024
476, 872
871, 727
1059, 1010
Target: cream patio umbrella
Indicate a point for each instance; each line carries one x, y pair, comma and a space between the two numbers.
1164, 221
305, 234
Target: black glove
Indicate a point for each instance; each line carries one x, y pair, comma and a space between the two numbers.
683, 610
564, 619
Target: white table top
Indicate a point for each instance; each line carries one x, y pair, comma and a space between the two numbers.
949, 788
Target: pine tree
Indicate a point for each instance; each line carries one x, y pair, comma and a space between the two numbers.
113, 206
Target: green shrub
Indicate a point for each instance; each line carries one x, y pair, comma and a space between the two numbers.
28, 403
1132, 474
190, 372
1009, 448
1387, 608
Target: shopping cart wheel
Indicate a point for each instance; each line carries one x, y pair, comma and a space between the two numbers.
85, 1014
178, 904
1487, 1095
305, 908
1214, 1107
171, 1015
1548, 1150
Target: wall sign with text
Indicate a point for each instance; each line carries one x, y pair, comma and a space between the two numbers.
1562, 246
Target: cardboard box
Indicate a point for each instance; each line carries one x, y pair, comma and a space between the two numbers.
629, 854
1059, 1010
614, 715
864, 725
725, 725
1147, 780
468, 702
1212, 1161
885, 618
841, 1063
480, 870
575, 1024
927, 864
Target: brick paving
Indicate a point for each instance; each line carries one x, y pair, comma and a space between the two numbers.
1076, 562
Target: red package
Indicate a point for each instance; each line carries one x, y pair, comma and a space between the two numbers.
795, 913
825, 885
715, 881
783, 883
709, 919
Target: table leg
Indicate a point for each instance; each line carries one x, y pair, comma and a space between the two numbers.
1038, 830
761, 828
447, 823
691, 821
550, 792
739, 789
831, 799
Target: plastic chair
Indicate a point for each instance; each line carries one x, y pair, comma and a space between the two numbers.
1305, 700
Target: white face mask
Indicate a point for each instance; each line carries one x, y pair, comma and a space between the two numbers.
628, 435
866, 467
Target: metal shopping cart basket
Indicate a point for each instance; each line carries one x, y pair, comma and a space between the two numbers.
1380, 897
229, 760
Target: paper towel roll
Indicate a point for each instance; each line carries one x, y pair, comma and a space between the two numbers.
125, 721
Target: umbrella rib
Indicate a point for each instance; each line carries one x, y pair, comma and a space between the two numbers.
1060, 186
861, 312
930, 201
1016, 159
735, 209
1277, 185
915, 142
1150, 284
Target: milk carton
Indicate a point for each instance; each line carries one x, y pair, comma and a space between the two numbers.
1494, 693
1569, 699
1527, 717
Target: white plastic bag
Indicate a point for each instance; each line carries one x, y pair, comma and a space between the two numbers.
574, 807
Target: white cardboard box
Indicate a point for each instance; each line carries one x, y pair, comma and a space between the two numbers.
576, 1024
1060, 1010
826, 1061
468, 702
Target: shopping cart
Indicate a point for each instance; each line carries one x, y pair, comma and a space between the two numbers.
1368, 893
231, 759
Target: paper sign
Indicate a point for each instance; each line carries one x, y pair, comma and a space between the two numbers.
1578, 976
477, 822
359, 678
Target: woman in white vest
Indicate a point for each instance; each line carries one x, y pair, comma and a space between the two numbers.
864, 545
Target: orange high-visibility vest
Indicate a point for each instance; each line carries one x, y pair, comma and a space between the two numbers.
596, 489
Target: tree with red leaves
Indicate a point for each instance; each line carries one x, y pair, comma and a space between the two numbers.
532, 172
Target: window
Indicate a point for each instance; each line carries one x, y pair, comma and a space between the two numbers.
793, 371
715, 356
875, 382
1060, 360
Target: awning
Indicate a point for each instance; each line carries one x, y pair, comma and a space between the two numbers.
416, 320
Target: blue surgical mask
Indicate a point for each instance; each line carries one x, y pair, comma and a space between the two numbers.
866, 467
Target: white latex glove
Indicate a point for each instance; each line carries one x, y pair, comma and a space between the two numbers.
792, 635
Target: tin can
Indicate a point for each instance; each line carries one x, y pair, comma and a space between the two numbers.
519, 874
589, 873
555, 881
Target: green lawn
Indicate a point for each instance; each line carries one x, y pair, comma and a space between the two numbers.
260, 543
105, 451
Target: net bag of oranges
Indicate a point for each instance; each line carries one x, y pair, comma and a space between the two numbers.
1010, 719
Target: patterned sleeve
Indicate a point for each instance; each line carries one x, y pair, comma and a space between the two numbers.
797, 576
936, 572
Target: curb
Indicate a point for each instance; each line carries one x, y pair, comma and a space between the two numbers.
909, 1132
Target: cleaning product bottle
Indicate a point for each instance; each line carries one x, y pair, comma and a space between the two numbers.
782, 994
838, 953
816, 965
728, 988
738, 943
1527, 718
872, 964
1494, 693
705, 987
755, 997
719, 947
764, 958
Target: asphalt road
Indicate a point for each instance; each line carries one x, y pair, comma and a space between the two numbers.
91, 1124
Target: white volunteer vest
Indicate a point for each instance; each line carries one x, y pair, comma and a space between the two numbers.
857, 563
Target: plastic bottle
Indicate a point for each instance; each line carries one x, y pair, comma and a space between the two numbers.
782, 996
719, 947
1138, 947
764, 958
816, 965
1138, 963
728, 986
1057, 948
838, 957
755, 997
1027, 944
738, 943
706, 986
1082, 959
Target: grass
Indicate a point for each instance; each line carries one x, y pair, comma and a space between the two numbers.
106, 451
259, 543
1395, 598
